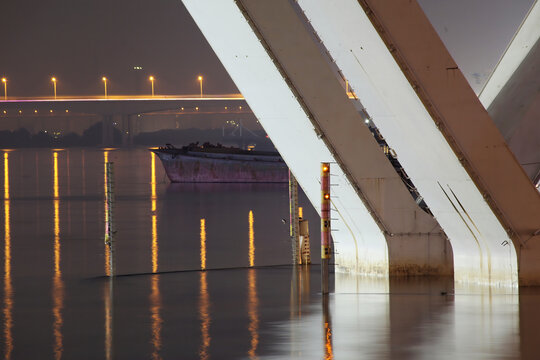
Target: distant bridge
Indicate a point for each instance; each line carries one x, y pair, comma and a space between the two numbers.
123, 110
119, 104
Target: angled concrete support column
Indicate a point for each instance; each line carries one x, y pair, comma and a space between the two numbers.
416, 95
297, 98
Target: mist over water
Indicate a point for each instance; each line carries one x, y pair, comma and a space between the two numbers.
248, 303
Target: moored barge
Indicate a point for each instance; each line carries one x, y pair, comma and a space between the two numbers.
209, 163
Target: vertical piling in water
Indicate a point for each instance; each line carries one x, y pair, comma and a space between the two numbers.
293, 218
325, 226
109, 236
305, 248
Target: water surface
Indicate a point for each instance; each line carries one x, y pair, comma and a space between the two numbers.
204, 274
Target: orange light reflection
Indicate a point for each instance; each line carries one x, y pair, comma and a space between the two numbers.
204, 314
8, 288
251, 240
155, 308
107, 255
58, 284
108, 299
253, 304
55, 175
153, 180
329, 352
6, 176
155, 246
203, 244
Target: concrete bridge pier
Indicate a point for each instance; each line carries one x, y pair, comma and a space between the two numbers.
107, 130
127, 127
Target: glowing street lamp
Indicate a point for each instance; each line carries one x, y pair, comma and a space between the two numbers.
53, 79
4, 80
200, 81
105, 85
151, 78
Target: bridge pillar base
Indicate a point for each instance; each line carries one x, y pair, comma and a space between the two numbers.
420, 254
529, 262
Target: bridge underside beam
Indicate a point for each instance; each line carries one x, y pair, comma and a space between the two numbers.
512, 94
290, 87
446, 141
516, 112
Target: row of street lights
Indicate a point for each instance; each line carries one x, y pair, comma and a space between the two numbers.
104, 79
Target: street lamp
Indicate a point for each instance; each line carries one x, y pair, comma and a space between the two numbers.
200, 81
4, 80
53, 79
151, 78
105, 85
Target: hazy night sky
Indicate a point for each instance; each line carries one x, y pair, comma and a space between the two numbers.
81, 41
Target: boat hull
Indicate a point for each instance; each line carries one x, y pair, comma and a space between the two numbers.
223, 168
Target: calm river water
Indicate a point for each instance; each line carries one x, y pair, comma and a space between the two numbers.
249, 303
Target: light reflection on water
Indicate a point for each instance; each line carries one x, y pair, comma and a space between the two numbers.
204, 315
58, 284
155, 309
203, 244
253, 301
155, 297
108, 301
251, 311
106, 214
8, 288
